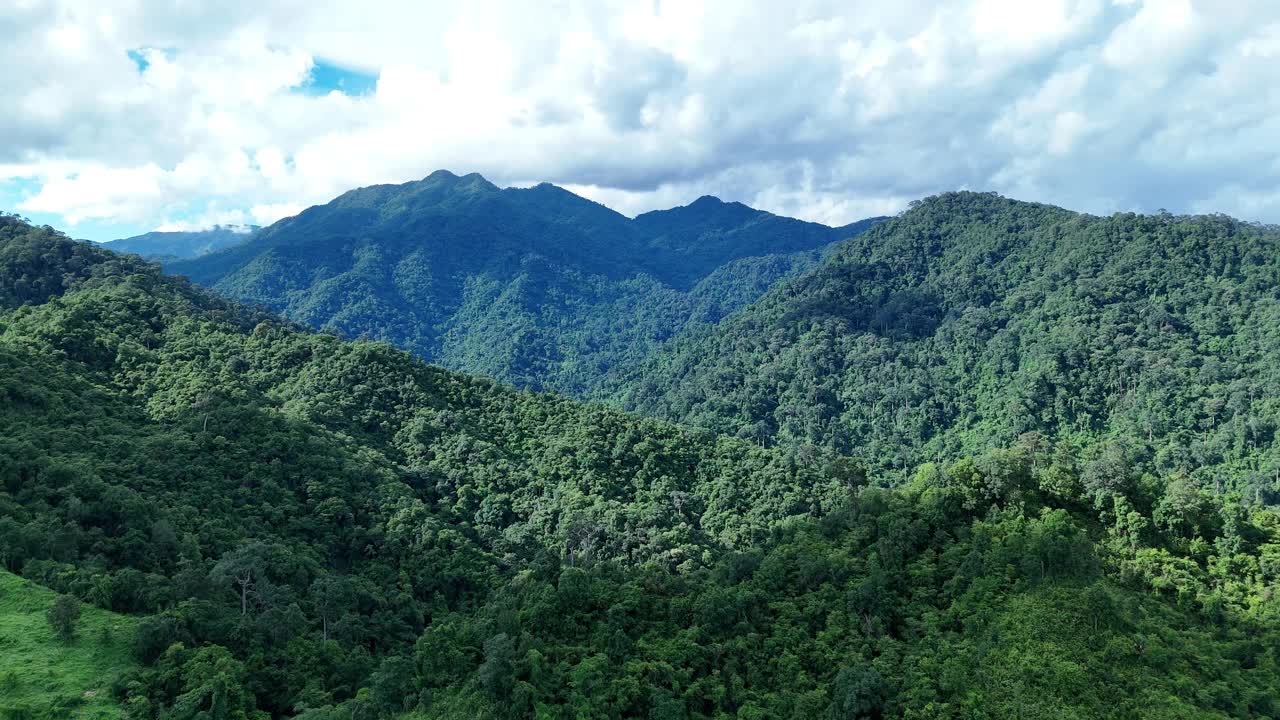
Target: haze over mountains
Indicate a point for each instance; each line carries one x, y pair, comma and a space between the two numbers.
167, 246
533, 286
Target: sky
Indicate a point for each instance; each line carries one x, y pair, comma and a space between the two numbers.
124, 116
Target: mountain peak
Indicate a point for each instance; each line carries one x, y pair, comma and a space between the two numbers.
706, 209
476, 181
714, 206
447, 179
551, 190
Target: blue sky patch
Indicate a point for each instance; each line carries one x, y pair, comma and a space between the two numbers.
327, 77
139, 56
139, 59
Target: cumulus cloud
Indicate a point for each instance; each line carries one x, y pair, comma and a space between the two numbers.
180, 114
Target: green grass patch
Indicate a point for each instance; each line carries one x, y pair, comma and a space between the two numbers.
42, 678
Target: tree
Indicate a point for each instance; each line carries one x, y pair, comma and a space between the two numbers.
497, 673
154, 635
857, 694
64, 616
244, 568
213, 686
332, 596
391, 688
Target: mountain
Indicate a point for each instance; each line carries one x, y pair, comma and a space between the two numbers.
1139, 343
167, 453
301, 526
696, 239
533, 286
170, 246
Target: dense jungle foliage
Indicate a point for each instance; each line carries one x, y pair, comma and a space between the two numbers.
307, 527
1138, 343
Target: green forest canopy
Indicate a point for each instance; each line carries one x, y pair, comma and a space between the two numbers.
1134, 343
317, 528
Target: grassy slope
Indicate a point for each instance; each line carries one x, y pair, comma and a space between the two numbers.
42, 678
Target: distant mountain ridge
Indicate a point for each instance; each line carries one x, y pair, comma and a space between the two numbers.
168, 246
534, 286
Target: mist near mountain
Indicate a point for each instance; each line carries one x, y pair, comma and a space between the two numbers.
169, 246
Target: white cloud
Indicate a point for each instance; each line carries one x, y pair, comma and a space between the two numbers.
271, 212
818, 109
1020, 28
1159, 31
235, 219
96, 192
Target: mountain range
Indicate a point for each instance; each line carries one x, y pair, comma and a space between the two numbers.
962, 325
168, 246
536, 287
984, 459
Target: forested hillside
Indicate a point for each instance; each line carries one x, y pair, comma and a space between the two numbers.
536, 286
315, 528
1132, 344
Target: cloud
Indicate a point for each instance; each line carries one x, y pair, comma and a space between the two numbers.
149, 112
96, 192
232, 219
